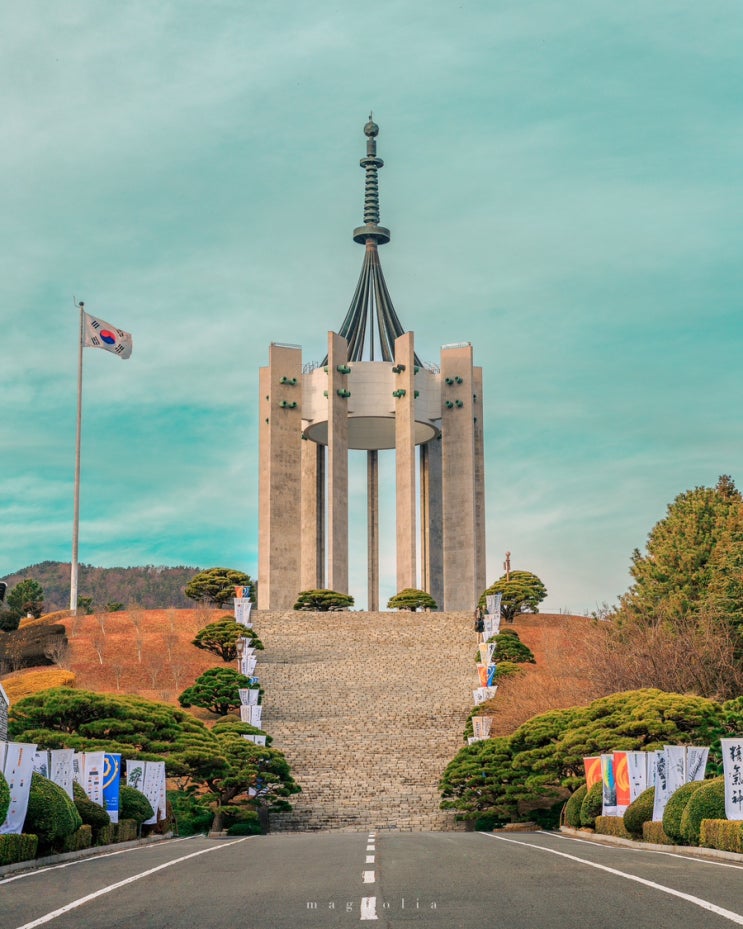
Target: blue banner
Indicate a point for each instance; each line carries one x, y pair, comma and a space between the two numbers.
111, 782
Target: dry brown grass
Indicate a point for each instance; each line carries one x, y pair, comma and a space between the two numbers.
143, 652
21, 684
560, 678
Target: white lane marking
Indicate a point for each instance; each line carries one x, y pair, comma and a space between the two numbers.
370, 848
48, 917
369, 908
646, 851
370, 859
736, 918
367, 877
89, 858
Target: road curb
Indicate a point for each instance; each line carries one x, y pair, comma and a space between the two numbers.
689, 851
35, 863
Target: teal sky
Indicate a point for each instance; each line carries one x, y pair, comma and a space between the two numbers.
563, 185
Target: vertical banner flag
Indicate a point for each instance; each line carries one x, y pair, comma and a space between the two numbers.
637, 770
249, 696
154, 772
609, 797
732, 766
61, 768
481, 726
593, 770
4, 707
19, 766
243, 605
256, 739
621, 781
78, 767
482, 673
676, 755
41, 763
100, 334
662, 785
652, 767
134, 774
491, 674
93, 777
696, 762
111, 783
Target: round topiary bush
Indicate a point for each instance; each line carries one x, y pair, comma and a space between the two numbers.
592, 805
247, 824
675, 807
51, 815
91, 813
639, 811
4, 798
507, 648
572, 807
708, 802
134, 805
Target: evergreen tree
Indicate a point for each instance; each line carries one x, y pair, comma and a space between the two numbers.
217, 585
522, 592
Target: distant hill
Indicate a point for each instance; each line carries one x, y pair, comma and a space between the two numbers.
149, 588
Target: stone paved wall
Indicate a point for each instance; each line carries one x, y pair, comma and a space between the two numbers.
368, 708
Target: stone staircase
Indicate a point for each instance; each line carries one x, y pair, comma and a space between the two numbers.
368, 708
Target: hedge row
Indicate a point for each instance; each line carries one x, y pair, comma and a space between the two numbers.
725, 834
612, 825
14, 848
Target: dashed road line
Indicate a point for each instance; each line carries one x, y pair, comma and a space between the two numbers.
368, 877
370, 859
369, 908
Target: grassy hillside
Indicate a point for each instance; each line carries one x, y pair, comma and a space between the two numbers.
148, 588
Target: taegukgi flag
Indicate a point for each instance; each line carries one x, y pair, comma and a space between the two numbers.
100, 334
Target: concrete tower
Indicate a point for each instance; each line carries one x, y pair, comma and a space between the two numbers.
371, 392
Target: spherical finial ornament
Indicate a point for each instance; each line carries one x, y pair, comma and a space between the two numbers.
371, 128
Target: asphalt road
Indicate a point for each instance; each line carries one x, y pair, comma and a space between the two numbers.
447, 880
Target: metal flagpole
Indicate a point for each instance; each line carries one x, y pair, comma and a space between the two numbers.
76, 504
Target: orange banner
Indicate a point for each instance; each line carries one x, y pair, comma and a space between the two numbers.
621, 778
482, 670
593, 771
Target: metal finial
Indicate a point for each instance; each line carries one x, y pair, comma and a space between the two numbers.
371, 164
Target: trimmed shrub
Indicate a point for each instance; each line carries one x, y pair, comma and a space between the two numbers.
51, 815
486, 822
192, 816
91, 813
411, 598
125, 830
15, 848
653, 833
547, 817
675, 808
135, 806
572, 807
106, 835
612, 825
724, 834
707, 803
640, 811
508, 648
322, 601
81, 838
506, 669
592, 805
248, 824
4, 798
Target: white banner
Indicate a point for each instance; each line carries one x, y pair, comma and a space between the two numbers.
154, 771
41, 763
653, 766
493, 603
481, 726
249, 695
135, 774
93, 776
258, 739
61, 768
696, 762
481, 694
18, 768
4, 707
243, 606
732, 766
78, 766
676, 755
662, 785
247, 665
637, 769
492, 626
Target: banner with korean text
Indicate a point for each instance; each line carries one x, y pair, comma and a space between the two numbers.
111, 784
732, 766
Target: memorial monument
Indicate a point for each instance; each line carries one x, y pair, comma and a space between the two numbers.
372, 393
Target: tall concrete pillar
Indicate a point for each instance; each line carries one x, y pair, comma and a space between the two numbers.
481, 581
337, 503
279, 510
458, 478
312, 571
372, 529
432, 555
405, 492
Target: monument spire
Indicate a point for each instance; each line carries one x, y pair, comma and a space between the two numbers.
371, 324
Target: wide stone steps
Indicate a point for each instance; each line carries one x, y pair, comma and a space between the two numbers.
368, 708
